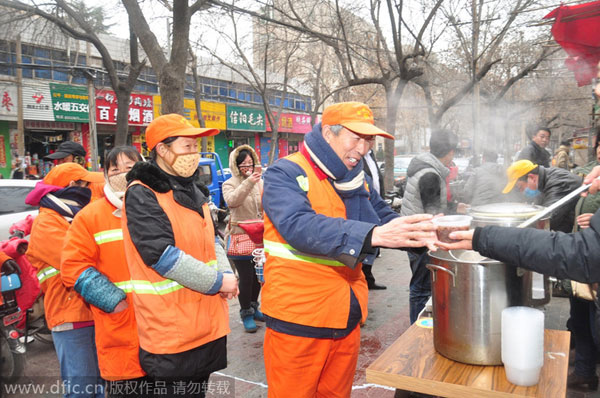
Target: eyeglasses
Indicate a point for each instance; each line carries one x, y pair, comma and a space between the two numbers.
246, 166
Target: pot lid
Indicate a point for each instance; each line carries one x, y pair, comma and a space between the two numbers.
506, 210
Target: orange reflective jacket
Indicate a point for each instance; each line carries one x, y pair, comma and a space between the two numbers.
95, 239
304, 288
172, 318
61, 304
97, 189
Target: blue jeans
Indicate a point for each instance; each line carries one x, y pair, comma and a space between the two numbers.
76, 351
420, 283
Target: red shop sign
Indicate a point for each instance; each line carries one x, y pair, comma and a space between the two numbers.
141, 108
293, 123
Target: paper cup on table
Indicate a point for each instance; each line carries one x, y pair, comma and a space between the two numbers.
522, 344
447, 224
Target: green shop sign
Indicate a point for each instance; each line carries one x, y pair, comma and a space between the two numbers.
70, 103
245, 119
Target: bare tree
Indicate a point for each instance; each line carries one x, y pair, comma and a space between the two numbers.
483, 32
267, 71
360, 46
83, 30
170, 68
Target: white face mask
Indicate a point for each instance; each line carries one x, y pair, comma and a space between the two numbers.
118, 183
185, 164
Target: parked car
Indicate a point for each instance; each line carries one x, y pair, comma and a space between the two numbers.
13, 208
401, 163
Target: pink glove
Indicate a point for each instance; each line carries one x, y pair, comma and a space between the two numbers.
23, 226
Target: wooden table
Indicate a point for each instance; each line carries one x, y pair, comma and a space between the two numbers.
411, 363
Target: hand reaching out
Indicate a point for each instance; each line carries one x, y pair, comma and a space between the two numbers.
412, 231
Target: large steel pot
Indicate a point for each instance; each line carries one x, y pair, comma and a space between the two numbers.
536, 287
469, 292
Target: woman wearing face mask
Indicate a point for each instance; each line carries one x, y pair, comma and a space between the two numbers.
93, 263
242, 192
61, 195
181, 278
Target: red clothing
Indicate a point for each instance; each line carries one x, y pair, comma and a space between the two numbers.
30, 287
95, 239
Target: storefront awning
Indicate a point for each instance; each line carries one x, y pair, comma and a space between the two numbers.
577, 30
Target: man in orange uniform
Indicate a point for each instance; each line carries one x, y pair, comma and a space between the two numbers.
180, 277
320, 223
94, 263
61, 195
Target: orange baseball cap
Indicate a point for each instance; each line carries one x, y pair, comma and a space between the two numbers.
63, 174
173, 125
517, 170
355, 116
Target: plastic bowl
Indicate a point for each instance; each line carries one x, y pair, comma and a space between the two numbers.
447, 224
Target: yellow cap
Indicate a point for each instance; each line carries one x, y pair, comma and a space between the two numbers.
517, 170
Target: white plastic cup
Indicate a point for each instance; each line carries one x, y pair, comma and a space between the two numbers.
522, 345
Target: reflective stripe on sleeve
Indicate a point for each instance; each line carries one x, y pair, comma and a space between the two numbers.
156, 288
47, 273
126, 286
288, 252
108, 236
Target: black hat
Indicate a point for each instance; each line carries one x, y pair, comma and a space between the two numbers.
65, 149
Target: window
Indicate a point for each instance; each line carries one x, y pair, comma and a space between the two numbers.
60, 75
41, 53
43, 73
204, 175
12, 199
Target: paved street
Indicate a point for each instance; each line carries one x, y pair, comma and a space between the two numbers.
388, 319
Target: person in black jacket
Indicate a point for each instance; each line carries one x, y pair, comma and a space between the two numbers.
566, 256
536, 150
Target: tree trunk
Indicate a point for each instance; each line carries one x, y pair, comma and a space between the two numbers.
393, 96
171, 91
274, 144
123, 96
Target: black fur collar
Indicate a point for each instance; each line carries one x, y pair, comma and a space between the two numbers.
149, 174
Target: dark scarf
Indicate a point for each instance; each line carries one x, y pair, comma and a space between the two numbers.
349, 184
72, 199
186, 192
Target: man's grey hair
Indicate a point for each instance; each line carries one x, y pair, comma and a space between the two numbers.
336, 128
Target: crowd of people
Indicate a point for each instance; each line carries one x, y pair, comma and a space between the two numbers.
136, 281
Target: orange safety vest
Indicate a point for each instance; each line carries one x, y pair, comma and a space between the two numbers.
310, 289
61, 304
95, 239
172, 318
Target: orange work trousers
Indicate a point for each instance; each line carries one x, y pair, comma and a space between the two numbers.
303, 367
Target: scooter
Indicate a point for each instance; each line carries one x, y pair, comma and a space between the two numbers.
12, 351
394, 200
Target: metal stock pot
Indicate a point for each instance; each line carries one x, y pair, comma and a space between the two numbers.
469, 292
